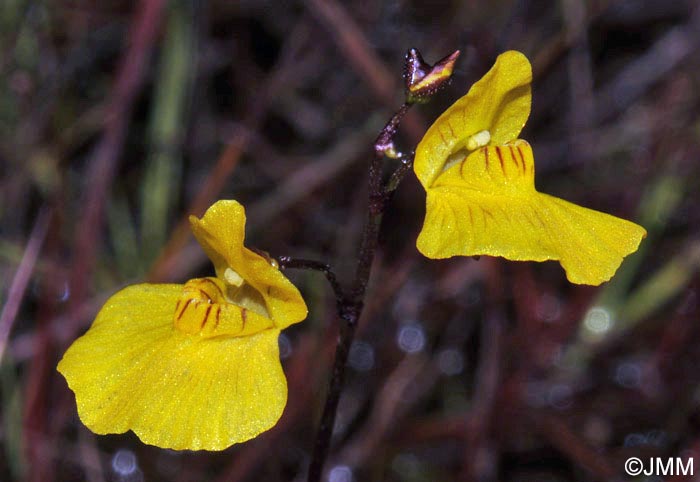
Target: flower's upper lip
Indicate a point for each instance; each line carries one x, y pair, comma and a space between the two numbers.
498, 103
221, 233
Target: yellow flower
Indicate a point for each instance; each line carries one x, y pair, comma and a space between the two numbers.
481, 196
193, 366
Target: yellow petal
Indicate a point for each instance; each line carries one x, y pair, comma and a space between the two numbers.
133, 371
204, 309
221, 232
498, 104
487, 204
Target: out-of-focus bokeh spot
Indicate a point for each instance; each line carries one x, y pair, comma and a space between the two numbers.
410, 337
361, 357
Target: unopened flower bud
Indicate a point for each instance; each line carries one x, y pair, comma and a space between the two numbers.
424, 80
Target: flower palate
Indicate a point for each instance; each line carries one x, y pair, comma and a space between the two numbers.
193, 366
481, 196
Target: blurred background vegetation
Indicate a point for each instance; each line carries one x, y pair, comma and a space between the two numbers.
118, 119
